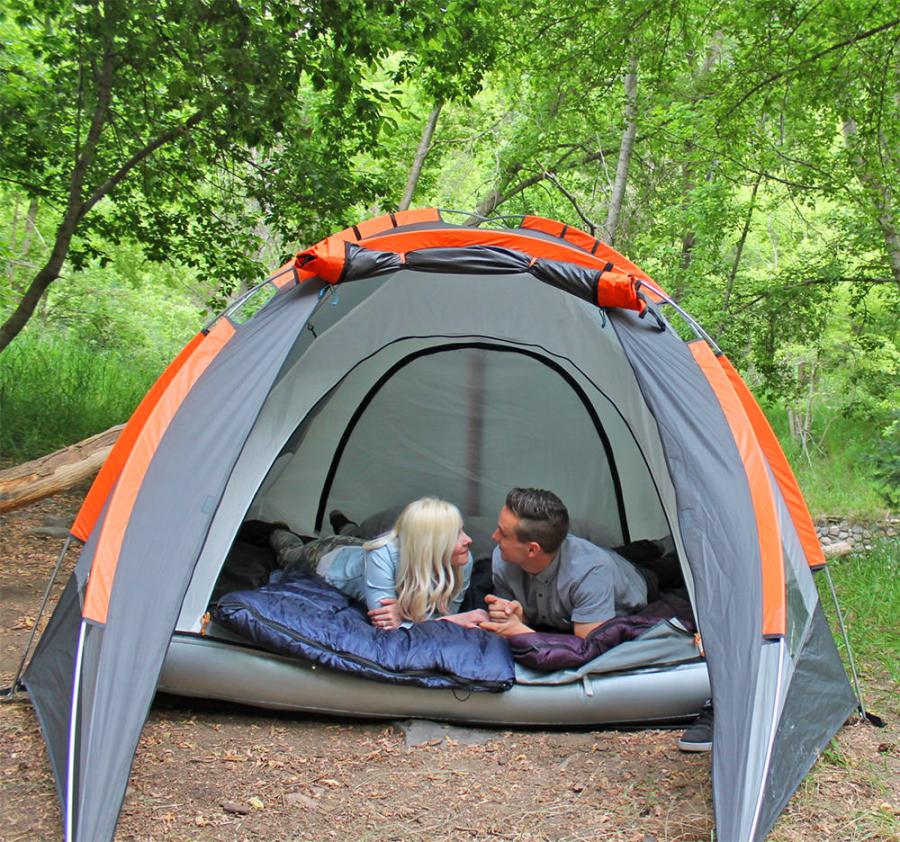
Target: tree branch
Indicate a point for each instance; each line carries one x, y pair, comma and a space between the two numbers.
617, 197
137, 157
74, 206
813, 58
760, 296
592, 226
739, 251
498, 196
421, 153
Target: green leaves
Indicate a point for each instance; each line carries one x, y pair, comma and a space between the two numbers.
193, 119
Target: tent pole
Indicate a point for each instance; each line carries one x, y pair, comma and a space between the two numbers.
15, 684
850, 658
73, 732
474, 431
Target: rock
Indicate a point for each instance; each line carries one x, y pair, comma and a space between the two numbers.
839, 548
49, 532
298, 799
424, 731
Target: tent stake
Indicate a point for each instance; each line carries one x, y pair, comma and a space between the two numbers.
15, 684
850, 658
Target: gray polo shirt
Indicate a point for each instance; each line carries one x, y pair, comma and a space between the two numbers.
583, 584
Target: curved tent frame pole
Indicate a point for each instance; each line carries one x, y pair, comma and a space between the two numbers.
688, 318
840, 615
236, 305
481, 218
11, 695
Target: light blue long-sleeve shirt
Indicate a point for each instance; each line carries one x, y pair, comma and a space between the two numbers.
371, 576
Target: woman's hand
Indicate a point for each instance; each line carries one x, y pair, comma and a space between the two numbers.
388, 616
468, 619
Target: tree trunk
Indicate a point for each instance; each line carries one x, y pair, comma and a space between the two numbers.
75, 207
419, 161
739, 251
618, 192
55, 472
689, 237
30, 228
880, 195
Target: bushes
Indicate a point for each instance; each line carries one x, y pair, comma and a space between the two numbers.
93, 349
869, 592
55, 391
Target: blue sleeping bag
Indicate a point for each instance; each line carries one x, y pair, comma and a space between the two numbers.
305, 617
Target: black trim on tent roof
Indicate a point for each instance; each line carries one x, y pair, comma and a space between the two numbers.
581, 281
370, 395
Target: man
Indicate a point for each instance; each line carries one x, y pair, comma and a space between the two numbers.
545, 577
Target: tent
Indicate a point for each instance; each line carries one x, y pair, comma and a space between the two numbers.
408, 355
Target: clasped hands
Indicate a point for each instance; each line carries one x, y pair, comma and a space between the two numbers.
503, 616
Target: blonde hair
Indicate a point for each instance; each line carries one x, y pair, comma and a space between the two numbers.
427, 531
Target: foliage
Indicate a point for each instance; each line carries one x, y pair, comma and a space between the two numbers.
55, 390
886, 459
868, 589
760, 194
197, 120
836, 476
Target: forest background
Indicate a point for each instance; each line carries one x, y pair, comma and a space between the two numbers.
159, 159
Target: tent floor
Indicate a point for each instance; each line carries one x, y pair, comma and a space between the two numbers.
203, 668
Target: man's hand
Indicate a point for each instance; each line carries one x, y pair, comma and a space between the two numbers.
501, 610
468, 619
506, 628
506, 616
388, 616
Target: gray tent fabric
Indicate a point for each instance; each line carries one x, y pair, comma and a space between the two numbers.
720, 540
49, 680
448, 379
195, 456
818, 703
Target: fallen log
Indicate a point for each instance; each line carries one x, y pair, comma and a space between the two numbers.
55, 472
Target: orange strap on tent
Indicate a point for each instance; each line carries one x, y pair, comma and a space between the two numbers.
106, 559
616, 289
112, 467
784, 476
774, 616
327, 259
380, 224
286, 275
324, 260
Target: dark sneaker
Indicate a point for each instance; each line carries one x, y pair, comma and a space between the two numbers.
699, 735
339, 521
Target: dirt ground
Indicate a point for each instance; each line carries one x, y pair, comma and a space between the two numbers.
209, 771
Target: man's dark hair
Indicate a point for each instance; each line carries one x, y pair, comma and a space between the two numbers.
542, 517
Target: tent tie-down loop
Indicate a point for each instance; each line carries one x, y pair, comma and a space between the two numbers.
335, 299
647, 308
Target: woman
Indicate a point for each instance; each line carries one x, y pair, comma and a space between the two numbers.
417, 571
